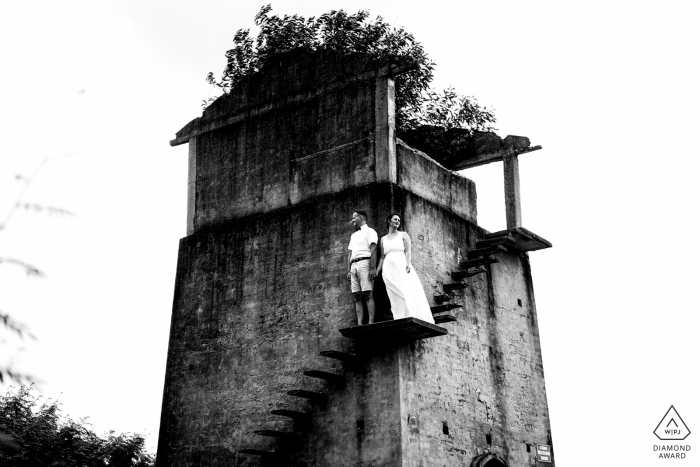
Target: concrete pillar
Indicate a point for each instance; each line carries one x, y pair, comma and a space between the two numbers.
511, 182
385, 128
191, 178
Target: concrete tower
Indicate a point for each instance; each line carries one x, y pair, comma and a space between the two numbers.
265, 365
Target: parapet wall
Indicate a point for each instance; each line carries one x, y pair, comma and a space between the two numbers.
424, 177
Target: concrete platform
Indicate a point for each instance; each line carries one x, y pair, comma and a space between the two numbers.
399, 330
519, 239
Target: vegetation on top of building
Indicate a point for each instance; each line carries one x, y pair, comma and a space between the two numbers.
417, 105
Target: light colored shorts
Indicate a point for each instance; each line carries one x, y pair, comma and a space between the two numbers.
359, 276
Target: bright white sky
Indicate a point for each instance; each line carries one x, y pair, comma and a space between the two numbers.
611, 90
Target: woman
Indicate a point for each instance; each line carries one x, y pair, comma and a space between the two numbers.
402, 283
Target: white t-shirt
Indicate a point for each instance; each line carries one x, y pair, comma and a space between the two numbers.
360, 242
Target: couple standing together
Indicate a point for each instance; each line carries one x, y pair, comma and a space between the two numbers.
402, 283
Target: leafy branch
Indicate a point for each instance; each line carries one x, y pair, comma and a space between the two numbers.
29, 269
35, 433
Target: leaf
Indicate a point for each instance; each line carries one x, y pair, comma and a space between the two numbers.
52, 211
30, 270
14, 326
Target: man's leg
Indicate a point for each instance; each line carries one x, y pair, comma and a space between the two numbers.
359, 308
369, 300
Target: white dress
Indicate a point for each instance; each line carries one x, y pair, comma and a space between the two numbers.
404, 289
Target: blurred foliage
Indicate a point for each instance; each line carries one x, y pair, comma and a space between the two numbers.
338, 31
33, 433
6, 321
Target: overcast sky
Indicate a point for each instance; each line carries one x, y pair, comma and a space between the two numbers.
611, 90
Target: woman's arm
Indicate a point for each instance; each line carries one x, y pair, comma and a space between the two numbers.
407, 250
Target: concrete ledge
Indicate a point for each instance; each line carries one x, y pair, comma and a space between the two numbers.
519, 239
398, 330
443, 308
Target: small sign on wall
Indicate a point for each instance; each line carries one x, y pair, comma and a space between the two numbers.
544, 453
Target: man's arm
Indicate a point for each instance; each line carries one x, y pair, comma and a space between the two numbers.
349, 262
373, 261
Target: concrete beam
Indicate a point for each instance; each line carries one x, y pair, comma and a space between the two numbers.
457, 149
489, 157
385, 130
511, 184
191, 185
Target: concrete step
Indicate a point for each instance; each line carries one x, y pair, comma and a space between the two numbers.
342, 356
467, 273
442, 298
489, 250
311, 395
454, 286
518, 239
444, 318
443, 308
327, 375
474, 263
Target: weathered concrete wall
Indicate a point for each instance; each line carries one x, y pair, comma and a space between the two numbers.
486, 377
277, 159
255, 303
426, 178
279, 167
308, 125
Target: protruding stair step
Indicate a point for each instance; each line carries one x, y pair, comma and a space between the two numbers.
443, 308
342, 356
441, 298
504, 240
473, 263
327, 375
490, 250
444, 318
258, 452
291, 414
518, 238
467, 273
455, 286
312, 395
275, 433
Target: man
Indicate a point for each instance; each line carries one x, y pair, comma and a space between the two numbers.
362, 265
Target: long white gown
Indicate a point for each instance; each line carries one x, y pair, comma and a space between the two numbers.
404, 289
